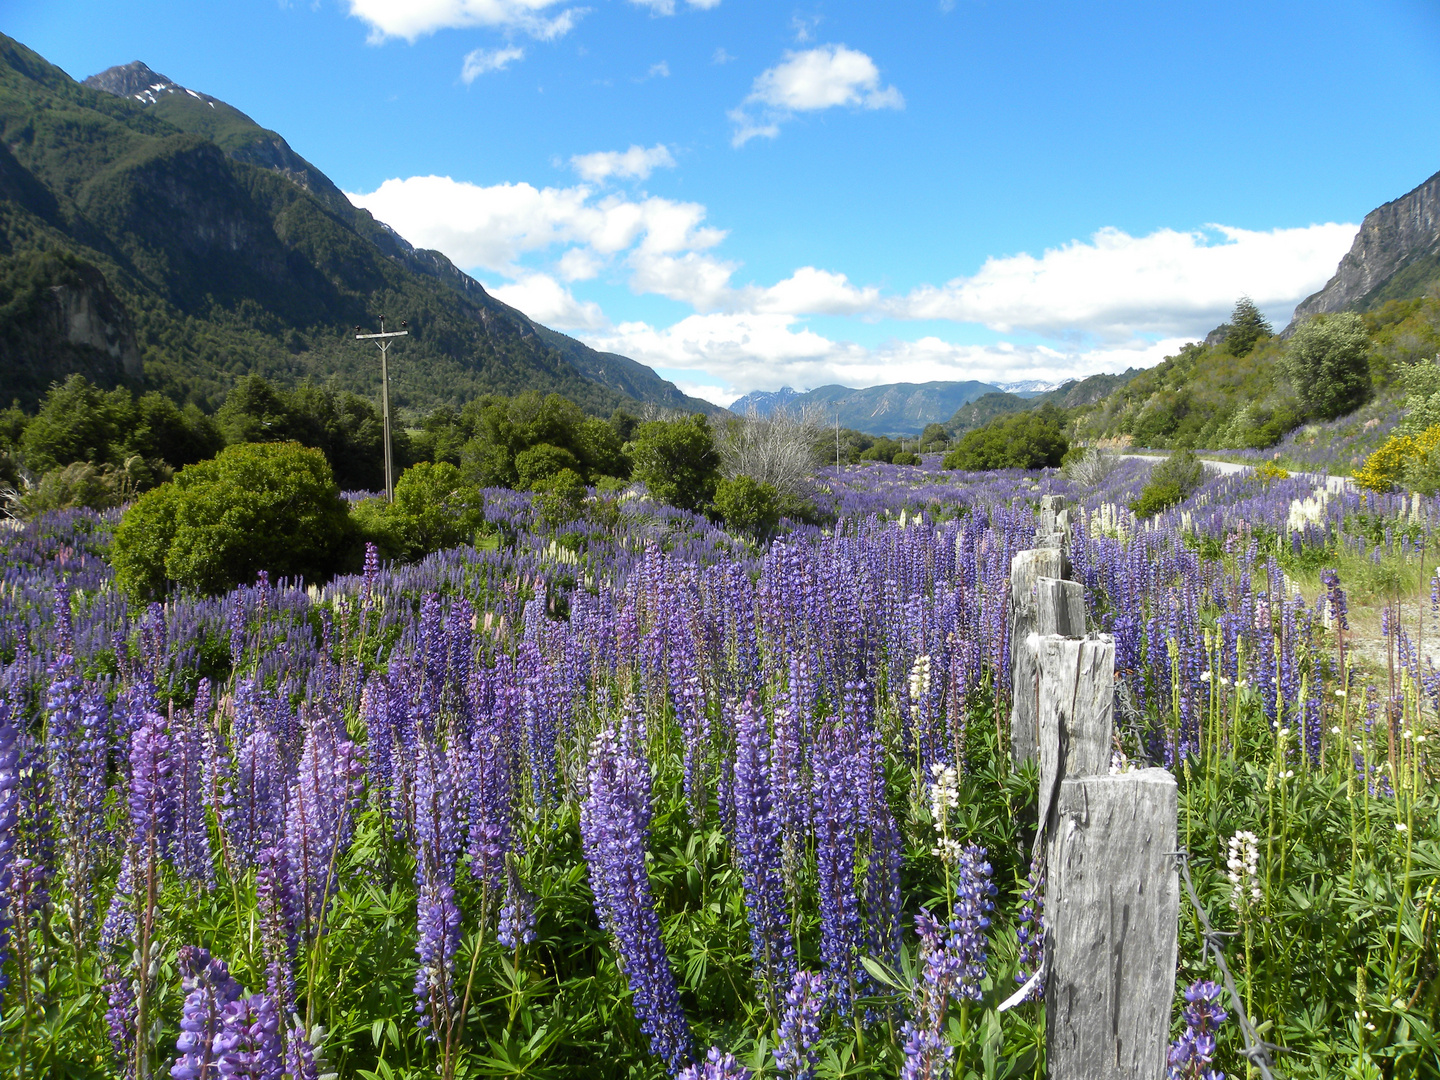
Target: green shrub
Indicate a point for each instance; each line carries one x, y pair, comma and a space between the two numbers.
1171, 482
677, 461
434, 509
1028, 440
1328, 360
253, 507
748, 506
96, 487
560, 497
541, 462
905, 457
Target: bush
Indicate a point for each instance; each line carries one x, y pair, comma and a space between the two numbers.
1171, 482
1028, 440
1410, 461
905, 457
1089, 466
81, 484
541, 462
433, 510
560, 497
748, 506
677, 461
253, 507
1328, 360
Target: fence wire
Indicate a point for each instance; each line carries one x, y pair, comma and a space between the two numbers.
1256, 1050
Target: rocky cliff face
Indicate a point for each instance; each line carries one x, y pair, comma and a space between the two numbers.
1402, 235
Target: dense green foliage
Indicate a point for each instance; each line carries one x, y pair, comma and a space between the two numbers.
434, 509
1028, 440
677, 461
257, 506
747, 506
1328, 362
1171, 482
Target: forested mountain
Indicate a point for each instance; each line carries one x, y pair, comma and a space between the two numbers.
150, 234
890, 409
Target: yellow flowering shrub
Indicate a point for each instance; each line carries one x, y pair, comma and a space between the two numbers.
1411, 461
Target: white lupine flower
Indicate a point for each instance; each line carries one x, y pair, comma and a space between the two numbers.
1243, 865
948, 850
920, 678
944, 794
1119, 763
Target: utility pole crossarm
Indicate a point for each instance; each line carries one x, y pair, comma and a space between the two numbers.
382, 342
392, 333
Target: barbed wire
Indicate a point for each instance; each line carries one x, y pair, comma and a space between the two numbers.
1257, 1050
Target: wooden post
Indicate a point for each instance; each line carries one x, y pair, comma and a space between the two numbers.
1025, 569
1052, 529
1076, 710
1059, 607
1112, 910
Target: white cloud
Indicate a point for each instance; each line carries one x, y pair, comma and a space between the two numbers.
411, 19
765, 352
805, 26
579, 264
667, 7
1101, 304
721, 57
718, 395
1117, 285
660, 70
819, 78
491, 228
548, 302
636, 163
480, 61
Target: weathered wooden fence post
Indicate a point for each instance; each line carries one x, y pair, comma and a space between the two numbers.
1026, 569
1112, 909
1112, 897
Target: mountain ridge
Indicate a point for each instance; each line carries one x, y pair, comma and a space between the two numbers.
204, 238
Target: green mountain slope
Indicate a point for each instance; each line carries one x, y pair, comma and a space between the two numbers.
179, 243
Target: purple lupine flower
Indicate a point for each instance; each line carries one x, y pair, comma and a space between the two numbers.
321, 817
799, 1032
836, 825
517, 917
716, 1066
758, 851
152, 795
1192, 1053
491, 776
926, 1053
208, 989
974, 893
192, 755
615, 828
279, 920
1030, 929
249, 1044
9, 818
76, 730
437, 835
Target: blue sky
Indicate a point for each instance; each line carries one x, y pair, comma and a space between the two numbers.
745, 195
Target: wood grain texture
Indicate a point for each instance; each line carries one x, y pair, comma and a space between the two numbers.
1112, 908
1075, 713
1059, 607
1025, 569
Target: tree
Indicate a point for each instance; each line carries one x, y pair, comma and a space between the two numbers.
1247, 327
677, 461
1328, 360
541, 461
253, 507
1027, 440
78, 422
1172, 481
434, 509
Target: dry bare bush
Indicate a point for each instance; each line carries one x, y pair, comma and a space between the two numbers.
777, 449
1092, 468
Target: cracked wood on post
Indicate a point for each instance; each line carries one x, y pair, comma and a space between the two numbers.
1076, 713
1025, 568
1112, 908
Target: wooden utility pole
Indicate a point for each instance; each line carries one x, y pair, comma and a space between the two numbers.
382, 339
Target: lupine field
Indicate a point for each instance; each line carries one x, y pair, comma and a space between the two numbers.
630, 797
